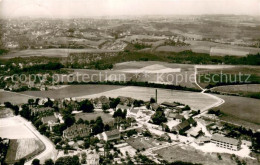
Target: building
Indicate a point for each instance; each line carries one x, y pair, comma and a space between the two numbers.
111, 135
177, 117
92, 158
76, 130
225, 142
98, 102
169, 105
51, 121
184, 126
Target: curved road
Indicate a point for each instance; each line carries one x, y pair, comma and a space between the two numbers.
49, 151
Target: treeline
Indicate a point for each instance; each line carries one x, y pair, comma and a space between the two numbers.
41, 67
135, 83
185, 57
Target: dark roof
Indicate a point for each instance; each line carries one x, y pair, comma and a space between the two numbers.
112, 133
169, 104
220, 138
49, 118
182, 125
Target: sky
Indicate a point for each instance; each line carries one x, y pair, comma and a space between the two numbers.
89, 8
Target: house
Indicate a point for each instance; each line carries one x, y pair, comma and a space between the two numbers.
111, 135
92, 158
169, 105
154, 106
225, 142
76, 130
202, 140
177, 117
51, 121
184, 126
126, 100
98, 102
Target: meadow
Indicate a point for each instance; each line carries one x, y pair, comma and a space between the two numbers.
241, 110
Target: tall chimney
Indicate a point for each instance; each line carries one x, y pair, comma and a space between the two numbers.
156, 95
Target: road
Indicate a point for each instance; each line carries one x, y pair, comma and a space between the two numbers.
219, 100
49, 151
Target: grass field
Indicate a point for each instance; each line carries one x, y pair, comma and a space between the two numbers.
72, 91
23, 148
15, 98
238, 89
107, 118
241, 110
194, 99
140, 143
189, 154
12, 128
51, 52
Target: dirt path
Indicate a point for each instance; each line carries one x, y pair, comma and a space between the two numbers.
219, 100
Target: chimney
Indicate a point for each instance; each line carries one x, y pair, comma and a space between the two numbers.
156, 95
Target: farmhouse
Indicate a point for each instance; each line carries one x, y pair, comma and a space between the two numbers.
176, 117
184, 126
169, 105
111, 135
76, 130
225, 142
98, 102
154, 106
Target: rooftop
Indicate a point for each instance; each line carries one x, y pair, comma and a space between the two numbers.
224, 139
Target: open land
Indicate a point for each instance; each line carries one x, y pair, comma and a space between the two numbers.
189, 154
239, 109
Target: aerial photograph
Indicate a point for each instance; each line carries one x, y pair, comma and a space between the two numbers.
104, 82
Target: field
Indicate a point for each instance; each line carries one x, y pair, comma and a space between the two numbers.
140, 143
15, 98
107, 118
51, 52
214, 49
244, 71
23, 148
238, 89
241, 110
12, 128
72, 91
194, 99
189, 154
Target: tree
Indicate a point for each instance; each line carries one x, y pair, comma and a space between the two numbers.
107, 127
80, 121
120, 113
159, 117
152, 100
86, 106
98, 127
36, 162
25, 112
49, 162
105, 107
114, 102
49, 103
68, 160
68, 120
30, 101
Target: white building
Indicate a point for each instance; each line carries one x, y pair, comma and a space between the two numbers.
225, 142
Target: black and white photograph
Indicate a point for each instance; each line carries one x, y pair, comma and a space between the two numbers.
131, 82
